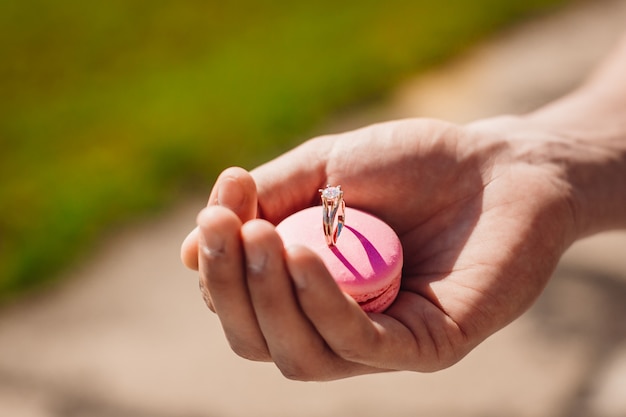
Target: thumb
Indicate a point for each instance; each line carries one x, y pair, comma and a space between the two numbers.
290, 182
235, 189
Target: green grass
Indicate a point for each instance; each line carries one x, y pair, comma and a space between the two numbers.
110, 109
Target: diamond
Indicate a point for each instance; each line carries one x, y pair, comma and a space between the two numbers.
331, 192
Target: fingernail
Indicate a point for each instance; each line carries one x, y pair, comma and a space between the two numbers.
211, 245
230, 194
256, 259
299, 278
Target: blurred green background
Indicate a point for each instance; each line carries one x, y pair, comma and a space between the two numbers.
112, 109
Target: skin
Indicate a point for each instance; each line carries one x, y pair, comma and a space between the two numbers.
484, 212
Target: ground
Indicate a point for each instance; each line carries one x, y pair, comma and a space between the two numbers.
127, 333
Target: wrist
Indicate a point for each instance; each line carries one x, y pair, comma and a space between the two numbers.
591, 122
584, 167
591, 155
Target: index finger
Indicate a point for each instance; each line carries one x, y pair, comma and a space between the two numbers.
234, 189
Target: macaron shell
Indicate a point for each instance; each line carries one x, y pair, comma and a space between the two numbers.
366, 262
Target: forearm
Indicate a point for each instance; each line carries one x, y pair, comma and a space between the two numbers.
593, 119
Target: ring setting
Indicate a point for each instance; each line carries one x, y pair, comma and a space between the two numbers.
333, 212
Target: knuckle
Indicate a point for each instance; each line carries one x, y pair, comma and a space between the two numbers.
351, 353
298, 369
297, 373
360, 347
206, 296
252, 352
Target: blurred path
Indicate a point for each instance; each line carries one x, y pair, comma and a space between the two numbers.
127, 333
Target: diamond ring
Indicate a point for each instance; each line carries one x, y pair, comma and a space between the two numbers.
333, 212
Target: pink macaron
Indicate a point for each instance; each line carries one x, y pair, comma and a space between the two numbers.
366, 262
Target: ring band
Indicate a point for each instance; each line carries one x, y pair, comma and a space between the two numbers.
333, 212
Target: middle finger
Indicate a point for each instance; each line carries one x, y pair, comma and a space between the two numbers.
294, 344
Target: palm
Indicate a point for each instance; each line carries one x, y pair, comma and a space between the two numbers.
471, 231
481, 226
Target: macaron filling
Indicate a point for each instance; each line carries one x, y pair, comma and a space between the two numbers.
380, 300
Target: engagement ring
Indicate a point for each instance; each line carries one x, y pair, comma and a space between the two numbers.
333, 212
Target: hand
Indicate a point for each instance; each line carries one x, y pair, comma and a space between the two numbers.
482, 215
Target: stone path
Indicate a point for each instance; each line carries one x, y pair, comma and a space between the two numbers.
127, 333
